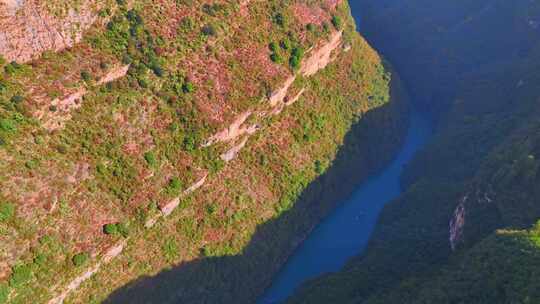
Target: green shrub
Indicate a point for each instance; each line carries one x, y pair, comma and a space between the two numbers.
189, 143
170, 250
137, 31
297, 54
206, 251
126, 59
279, 19
310, 27
17, 99
211, 209
285, 44
188, 87
276, 58
142, 82
80, 259
209, 30
7, 125
104, 12
158, 70
20, 274
4, 293
40, 259
326, 27
213, 9
85, 75
174, 186
336, 22
123, 229
319, 169
134, 17
3, 86
110, 229
273, 47
18, 117
103, 65
7, 211
31, 164
12, 68
294, 62
215, 165
186, 25
150, 158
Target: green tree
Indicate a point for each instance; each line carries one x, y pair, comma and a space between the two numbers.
80, 259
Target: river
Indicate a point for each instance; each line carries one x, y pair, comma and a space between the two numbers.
346, 231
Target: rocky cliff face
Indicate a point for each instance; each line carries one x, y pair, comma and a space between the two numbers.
136, 136
28, 28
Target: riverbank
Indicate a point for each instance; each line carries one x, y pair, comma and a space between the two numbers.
275, 241
346, 231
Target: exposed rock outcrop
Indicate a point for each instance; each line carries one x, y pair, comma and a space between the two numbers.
28, 27
168, 208
56, 113
288, 101
279, 95
196, 185
233, 152
457, 223
109, 254
114, 74
322, 56
236, 129
317, 60
55, 116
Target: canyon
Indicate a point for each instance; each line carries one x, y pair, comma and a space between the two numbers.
240, 151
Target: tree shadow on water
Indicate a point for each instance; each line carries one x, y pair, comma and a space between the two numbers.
368, 146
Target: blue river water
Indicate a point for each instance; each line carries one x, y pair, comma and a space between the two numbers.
346, 231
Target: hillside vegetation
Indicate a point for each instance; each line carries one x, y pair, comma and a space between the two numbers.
459, 232
161, 134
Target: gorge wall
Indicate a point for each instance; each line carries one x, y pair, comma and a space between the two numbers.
468, 215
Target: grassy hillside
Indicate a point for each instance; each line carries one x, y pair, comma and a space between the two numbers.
173, 133
480, 174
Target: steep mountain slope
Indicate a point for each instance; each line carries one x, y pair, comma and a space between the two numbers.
436, 44
479, 174
140, 135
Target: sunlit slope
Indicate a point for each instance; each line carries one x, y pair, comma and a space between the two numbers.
167, 134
